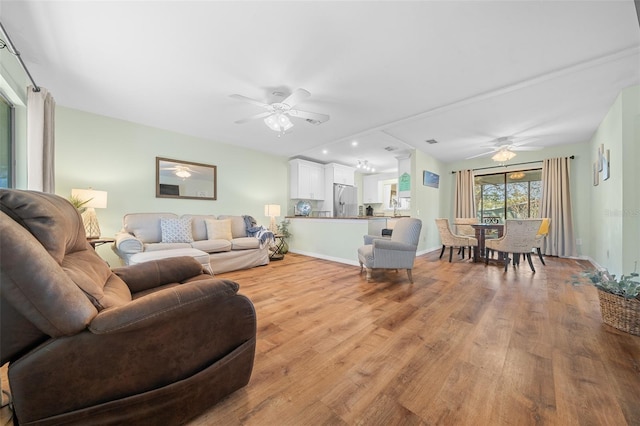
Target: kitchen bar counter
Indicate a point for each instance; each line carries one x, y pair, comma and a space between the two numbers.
333, 238
342, 218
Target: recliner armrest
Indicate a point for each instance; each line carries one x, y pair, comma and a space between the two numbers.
162, 306
155, 273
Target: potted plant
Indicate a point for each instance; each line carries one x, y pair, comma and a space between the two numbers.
78, 203
619, 299
283, 229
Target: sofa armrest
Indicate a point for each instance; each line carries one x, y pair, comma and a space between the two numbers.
163, 306
155, 273
127, 244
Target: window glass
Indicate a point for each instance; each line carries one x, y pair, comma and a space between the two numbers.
6, 143
511, 195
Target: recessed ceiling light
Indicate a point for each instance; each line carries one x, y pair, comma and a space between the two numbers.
431, 141
324, 151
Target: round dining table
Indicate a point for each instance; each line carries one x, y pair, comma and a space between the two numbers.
481, 229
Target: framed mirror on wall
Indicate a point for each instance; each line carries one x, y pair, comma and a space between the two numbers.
185, 179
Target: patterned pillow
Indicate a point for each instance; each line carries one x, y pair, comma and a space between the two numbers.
176, 230
219, 229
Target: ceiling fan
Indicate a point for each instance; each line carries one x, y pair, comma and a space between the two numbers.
503, 149
181, 171
277, 114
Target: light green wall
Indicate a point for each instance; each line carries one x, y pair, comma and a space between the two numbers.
615, 203
580, 183
426, 202
119, 157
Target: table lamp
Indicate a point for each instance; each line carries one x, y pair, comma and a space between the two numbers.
272, 210
93, 200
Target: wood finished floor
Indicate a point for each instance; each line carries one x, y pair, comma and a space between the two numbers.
464, 345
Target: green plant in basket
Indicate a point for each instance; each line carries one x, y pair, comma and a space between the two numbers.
627, 286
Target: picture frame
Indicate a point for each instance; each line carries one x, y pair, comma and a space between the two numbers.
430, 179
606, 171
596, 173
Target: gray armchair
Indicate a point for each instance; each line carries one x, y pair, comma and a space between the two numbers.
397, 252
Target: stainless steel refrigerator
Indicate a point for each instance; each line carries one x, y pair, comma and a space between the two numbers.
345, 200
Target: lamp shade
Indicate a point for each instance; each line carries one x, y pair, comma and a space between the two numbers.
97, 199
272, 210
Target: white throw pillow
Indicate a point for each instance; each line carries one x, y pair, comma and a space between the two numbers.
176, 230
219, 229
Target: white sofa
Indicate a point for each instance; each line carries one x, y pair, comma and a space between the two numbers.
143, 233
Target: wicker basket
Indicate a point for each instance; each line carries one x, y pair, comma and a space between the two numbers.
621, 313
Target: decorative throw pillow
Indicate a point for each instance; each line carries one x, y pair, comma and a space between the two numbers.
219, 229
176, 230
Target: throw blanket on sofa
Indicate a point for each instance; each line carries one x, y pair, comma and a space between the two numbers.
264, 235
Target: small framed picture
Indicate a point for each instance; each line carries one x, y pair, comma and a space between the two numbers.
596, 173
606, 172
430, 179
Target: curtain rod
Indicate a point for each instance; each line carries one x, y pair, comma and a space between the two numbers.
12, 49
509, 165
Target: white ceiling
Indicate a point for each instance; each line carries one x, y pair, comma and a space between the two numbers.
389, 73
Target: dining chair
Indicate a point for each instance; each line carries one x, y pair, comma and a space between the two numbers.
463, 227
452, 240
542, 234
519, 238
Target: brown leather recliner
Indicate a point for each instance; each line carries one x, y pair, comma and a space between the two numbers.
155, 343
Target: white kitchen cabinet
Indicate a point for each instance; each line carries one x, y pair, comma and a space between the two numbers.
306, 180
337, 173
371, 189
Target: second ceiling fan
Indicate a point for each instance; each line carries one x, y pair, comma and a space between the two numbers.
503, 149
277, 114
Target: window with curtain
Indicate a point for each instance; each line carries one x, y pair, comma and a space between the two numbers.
6, 143
509, 195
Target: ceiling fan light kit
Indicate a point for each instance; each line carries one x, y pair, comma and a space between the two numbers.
503, 155
278, 122
278, 113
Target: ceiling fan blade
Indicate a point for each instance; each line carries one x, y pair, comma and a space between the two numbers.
526, 148
308, 115
480, 155
251, 101
294, 98
254, 117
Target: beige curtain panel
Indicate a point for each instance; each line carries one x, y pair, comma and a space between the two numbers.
40, 140
556, 205
465, 205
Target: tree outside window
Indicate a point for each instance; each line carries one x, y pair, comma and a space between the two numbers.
510, 195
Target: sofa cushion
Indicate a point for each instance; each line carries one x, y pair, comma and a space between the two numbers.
212, 246
245, 243
219, 229
176, 230
165, 246
198, 225
145, 226
238, 227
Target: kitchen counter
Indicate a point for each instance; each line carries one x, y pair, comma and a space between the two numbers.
347, 217
333, 238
